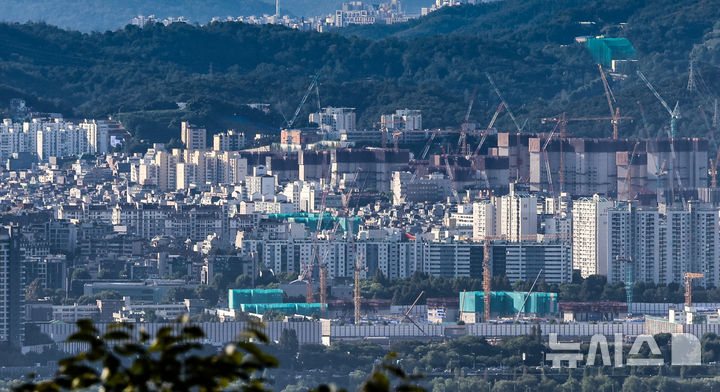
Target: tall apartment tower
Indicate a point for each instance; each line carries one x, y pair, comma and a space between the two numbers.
518, 215
634, 238
12, 287
590, 235
229, 141
193, 137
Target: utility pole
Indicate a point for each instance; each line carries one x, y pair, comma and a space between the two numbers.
716, 121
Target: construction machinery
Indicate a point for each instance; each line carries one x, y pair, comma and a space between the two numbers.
451, 176
385, 130
614, 111
713, 170
674, 116
658, 177
487, 130
522, 307
307, 270
462, 140
689, 276
313, 84
674, 113
628, 175
708, 126
487, 280
407, 314
644, 120
507, 107
487, 272
547, 160
357, 296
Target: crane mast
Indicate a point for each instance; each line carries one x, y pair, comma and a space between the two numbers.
497, 91
614, 112
304, 99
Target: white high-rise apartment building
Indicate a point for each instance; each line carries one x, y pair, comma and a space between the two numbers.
12, 139
193, 137
229, 141
660, 245
634, 237
483, 220
332, 120
518, 215
62, 141
590, 235
97, 135
705, 242
55, 138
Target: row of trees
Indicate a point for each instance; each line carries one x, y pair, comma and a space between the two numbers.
592, 288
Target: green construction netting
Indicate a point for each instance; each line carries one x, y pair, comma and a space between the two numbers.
605, 50
509, 302
310, 220
253, 296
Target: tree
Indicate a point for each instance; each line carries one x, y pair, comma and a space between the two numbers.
166, 363
34, 291
80, 274
289, 341
207, 293
179, 294
633, 384
171, 361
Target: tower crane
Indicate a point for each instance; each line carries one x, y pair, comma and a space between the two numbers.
462, 140
713, 170
451, 176
708, 126
306, 275
547, 160
614, 111
507, 107
689, 276
644, 120
384, 129
487, 130
674, 113
674, 116
487, 271
628, 175
658, 176
304, 99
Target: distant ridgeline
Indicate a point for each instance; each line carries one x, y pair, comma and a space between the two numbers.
154, 77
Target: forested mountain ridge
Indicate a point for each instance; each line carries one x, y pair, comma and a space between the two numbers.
431, 64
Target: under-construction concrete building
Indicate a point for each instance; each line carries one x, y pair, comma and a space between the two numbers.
583, 167
375, 166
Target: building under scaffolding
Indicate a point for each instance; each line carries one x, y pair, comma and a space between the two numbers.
507, 303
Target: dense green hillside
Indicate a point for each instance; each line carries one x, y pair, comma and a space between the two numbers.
431, 64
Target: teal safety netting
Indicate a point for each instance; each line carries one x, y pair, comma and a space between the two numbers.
509, 302
605, 50
253, 296
311, 219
